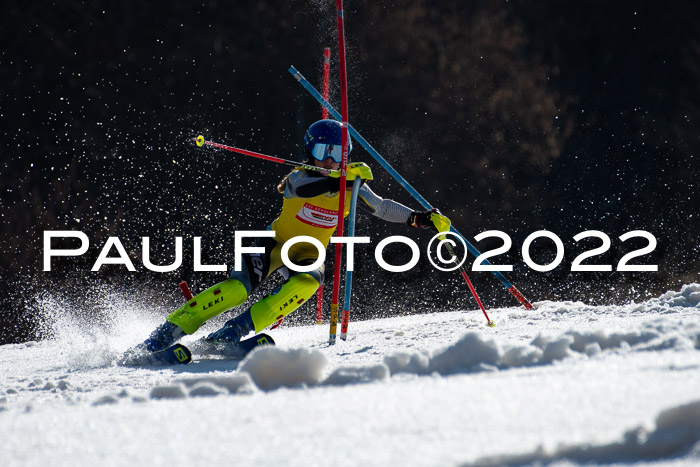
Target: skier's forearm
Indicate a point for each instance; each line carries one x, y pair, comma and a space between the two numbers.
386, 209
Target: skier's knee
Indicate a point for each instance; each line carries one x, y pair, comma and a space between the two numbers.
287, 298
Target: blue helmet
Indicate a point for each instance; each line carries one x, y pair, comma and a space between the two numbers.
323, 140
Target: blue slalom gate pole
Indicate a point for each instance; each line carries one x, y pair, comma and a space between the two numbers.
348, 274
402, 181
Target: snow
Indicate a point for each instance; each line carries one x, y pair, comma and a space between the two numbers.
677, 430
565, 384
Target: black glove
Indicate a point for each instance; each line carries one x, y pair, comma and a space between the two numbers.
421, 219
432, 219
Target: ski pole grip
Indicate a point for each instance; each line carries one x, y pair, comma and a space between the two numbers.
186, 290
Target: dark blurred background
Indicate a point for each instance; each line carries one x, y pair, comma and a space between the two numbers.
514, 115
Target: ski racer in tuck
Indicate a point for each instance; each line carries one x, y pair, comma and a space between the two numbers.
310, 207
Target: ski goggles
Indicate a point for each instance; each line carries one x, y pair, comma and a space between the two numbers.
323, 151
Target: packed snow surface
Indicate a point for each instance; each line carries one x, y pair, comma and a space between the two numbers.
564, 384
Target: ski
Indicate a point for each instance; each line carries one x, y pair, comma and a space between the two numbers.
236, 351
176, 354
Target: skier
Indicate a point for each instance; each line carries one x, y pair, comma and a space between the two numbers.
309, 208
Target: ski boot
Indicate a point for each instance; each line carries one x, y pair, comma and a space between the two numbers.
233, 330
163, 337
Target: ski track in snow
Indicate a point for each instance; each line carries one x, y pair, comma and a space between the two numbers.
565, 384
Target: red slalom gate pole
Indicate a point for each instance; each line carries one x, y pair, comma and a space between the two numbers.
326, 79
476, 297
186, 291
469, 283
324, 115
343, 170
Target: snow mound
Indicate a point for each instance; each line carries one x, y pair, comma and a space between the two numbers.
688, 297
354, 375
171, 391
204, 387
470, 351
271, 367
214, 385
676, 434
473, 353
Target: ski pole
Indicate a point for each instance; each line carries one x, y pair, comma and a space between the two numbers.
202, 142
343, 170
402, 181
463, 270
324, 115
348, 274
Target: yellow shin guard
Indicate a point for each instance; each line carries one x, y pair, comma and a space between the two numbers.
288, 298
212, 302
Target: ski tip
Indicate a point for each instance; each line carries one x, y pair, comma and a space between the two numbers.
264, 339
176, 354
199, 140
181, 353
